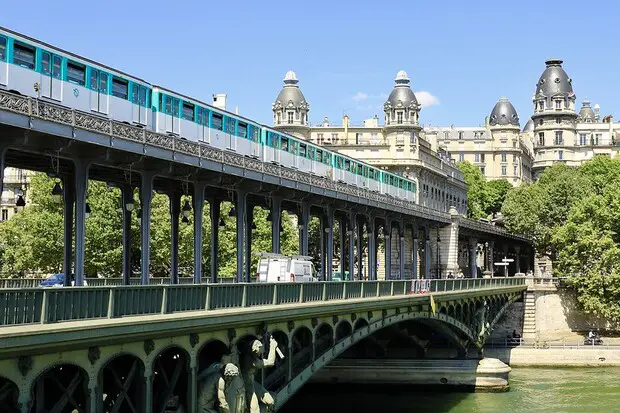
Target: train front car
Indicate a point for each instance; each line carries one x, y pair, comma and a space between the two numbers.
33, 68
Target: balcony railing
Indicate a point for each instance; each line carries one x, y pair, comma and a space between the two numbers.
52, 305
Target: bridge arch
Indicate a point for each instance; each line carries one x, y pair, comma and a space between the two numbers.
211, 351
9, 395
360, 323
71, 383
121, 383
323, 339
342, 330
436, 319
171, 377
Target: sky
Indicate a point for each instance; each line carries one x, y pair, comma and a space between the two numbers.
461, 56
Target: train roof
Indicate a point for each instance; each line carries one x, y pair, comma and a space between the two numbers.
32, 39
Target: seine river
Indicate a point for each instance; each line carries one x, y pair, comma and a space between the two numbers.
562, 390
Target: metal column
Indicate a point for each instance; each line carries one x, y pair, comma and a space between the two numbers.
372, 249
341, 237
322, 237
414, 256
473, 262
401, 255
330, 243
68, 198
214, 210
276, 222
240, 221
427, 255
81, 187
360, 258
146, 196
305, 221
351, 232
387, 242
175, 209
199, 205
249, 219
127, 197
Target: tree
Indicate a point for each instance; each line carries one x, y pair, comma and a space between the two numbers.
477, 192
496, 192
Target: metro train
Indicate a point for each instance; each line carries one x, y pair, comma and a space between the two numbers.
38, 70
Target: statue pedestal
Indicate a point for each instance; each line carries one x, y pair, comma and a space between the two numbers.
487, 274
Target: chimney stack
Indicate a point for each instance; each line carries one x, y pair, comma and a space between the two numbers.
219, 100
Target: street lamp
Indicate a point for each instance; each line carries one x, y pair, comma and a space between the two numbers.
185, 220
57, 193
87, 210
20, 203
187, 210
130, 205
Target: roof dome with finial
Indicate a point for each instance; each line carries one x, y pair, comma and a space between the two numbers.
290, 95
402, 95
554, 81
586, 114
504, 113
529, 126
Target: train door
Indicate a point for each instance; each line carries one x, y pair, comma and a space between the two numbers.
51, 79
3, 64
276, 148
294, 150
99, 91
139, 100
171, 114
311, 155
231, 139
255, 141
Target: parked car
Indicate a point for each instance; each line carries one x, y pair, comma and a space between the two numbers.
57, 280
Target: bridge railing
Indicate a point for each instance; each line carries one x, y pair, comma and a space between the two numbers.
97, 282
51, 305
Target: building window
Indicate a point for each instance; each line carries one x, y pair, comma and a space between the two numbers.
514, 170
446, 135
560, 155
290, 117
582, 139
558, 120
461, 135
373, 138
399, 117
541, 105
558, 138
597, 138
504, 157
482, 170
558, 104
504, 170
5, 214
481, 157
461, 157
334, 138
319, 138
541, 138
476, 157
279, 118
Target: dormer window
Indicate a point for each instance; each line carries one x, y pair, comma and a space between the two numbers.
279, 118
399, 118
290, 117
558, 104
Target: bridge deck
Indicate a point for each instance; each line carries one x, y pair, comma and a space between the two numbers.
31, 337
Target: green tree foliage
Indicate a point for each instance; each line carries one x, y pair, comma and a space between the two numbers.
484, 198
574, 216
477, 193
32, 240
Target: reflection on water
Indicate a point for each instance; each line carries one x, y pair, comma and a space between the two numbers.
568, 390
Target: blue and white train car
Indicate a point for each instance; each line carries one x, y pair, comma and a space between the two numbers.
191, 119
38, 70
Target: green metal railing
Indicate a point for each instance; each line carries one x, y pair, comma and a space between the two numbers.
96, 282
51, 305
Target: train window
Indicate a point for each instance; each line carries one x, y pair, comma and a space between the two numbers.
202, 116
103, 84
138, 94
23, 55
119, 88
176, 107
188, 111
56, 65
319, 155
293, 147
242, 130
284, 145
216, 121
2, 48
46, 63
230, 125
327, 158
94, 79
305, 151
347, 165
255, 134
76, 73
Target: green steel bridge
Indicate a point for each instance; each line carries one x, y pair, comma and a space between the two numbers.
141, 349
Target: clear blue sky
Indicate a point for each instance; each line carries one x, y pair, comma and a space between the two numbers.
465, 54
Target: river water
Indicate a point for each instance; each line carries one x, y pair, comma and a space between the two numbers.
557, 390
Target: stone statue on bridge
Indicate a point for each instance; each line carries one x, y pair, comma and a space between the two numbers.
481, 325
257, 397
221, 390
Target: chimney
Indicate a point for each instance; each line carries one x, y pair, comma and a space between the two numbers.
219, 100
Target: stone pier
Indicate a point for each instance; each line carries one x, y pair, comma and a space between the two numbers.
480, 375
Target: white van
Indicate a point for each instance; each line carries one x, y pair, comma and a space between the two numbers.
274, 268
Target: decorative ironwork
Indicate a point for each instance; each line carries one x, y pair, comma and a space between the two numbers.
24, 364
92, 123
314, 322
14, 103
290, 325
156, 139
149, 346
194, 339
94, 353
335, 319
127, 132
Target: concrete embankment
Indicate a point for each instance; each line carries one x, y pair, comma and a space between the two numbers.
577, 356
486, 375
